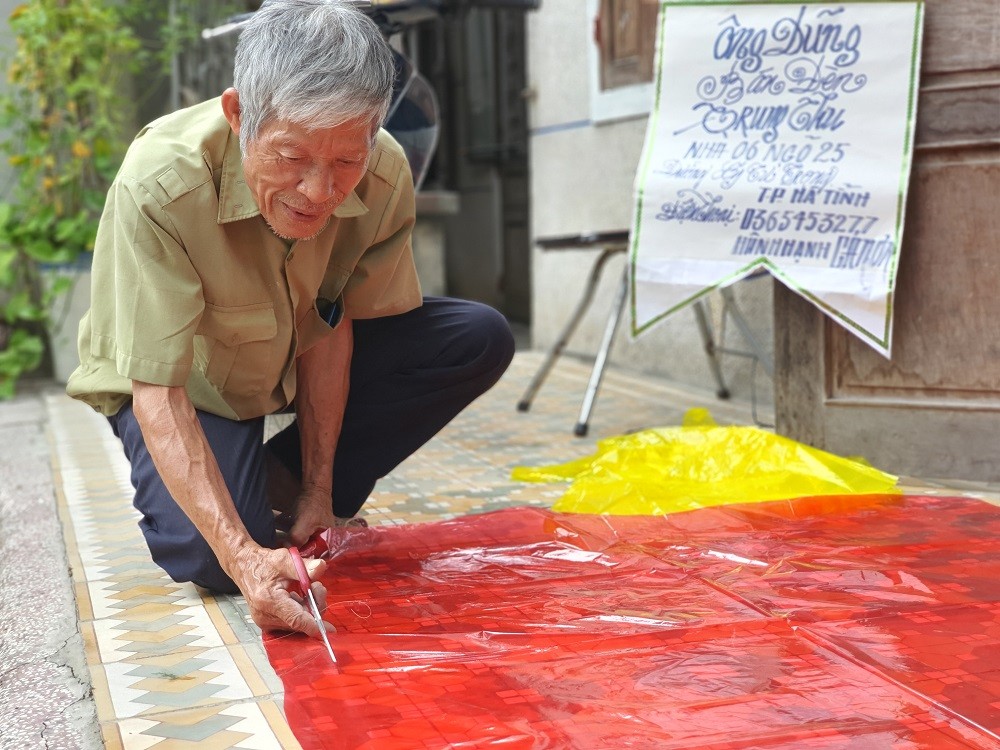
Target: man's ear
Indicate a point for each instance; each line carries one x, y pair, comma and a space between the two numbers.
231, 108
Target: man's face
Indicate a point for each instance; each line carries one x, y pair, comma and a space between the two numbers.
299, 177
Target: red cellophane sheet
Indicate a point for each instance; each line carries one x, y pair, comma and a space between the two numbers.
851, 622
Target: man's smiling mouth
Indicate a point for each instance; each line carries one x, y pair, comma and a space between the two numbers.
304, 215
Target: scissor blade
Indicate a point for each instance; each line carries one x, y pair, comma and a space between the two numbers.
322, 627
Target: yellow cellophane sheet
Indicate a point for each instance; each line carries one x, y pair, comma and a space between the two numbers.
700, 464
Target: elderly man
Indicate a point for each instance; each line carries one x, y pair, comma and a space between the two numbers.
254, 255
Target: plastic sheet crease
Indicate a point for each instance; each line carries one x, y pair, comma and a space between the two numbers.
841, 622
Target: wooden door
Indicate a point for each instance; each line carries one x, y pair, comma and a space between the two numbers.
933, 410
626, 35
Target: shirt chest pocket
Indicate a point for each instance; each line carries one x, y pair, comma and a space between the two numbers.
240, 353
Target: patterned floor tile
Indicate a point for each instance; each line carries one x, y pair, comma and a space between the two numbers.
180, 679
237, 726
153, 646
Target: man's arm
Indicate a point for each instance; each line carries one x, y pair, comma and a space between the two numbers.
323, 374
185, 462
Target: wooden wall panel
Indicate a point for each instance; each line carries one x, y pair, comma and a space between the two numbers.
947, 308
961, 35
933, 410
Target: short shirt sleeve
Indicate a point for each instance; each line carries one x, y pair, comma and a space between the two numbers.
148, 298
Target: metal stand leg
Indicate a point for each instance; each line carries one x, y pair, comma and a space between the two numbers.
734, 311
602, 355
708, 341
588, 294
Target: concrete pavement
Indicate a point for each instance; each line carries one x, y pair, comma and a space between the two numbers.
45, 689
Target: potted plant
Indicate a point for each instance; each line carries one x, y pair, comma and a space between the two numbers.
63, 119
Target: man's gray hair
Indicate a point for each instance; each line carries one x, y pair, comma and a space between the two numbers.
316, 63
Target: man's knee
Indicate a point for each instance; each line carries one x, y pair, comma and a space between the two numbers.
188, 557
185, 556
500, 336
490, 342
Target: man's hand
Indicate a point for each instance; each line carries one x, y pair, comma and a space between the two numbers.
185, 461
313, 512
266, 577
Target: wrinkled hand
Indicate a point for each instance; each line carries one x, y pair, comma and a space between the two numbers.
313, 512
266, 577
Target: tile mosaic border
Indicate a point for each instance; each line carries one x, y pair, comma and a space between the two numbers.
167, 667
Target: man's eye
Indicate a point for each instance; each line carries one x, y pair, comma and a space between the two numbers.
291, 157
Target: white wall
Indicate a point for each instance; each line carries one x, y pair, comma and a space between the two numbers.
581, 180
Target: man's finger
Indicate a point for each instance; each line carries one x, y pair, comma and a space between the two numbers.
302, 619
304, 528
315, 567
295, 617
319, 592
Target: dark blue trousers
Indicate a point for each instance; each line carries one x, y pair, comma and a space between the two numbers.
410, 375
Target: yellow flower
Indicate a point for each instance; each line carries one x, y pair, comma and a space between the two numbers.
48, 183
80, 150
17, 159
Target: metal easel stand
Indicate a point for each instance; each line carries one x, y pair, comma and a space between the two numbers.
597, 374
613, 243
557, 349
754, 351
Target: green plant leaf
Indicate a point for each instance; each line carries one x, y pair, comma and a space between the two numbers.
22, 354
7, 260
63, 128
21, 306
57, 286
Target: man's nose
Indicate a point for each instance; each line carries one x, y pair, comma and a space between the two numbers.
318, 184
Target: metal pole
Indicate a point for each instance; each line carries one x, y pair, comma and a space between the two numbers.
602, 355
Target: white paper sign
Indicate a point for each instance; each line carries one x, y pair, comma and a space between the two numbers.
780, 138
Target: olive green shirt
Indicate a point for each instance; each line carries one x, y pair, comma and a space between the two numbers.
191, 288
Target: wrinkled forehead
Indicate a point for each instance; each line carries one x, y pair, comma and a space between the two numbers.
349, 131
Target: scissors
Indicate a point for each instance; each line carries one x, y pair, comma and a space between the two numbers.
305, 584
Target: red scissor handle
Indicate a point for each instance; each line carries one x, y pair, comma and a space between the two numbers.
300, 570
315, 545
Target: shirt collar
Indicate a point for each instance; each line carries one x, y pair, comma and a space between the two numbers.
237, 202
